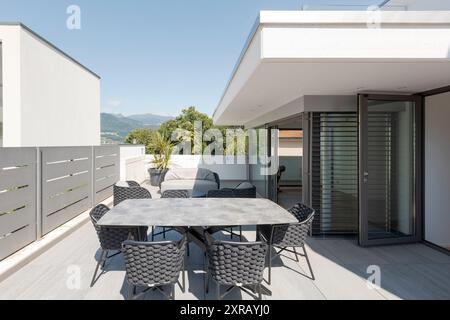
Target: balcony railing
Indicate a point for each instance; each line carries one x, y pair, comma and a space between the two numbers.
43, 188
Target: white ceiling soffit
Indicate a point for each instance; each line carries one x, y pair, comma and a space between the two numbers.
293, 54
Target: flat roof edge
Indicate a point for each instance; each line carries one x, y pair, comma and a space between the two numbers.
300, 18
249, 40
51, 45
355, 17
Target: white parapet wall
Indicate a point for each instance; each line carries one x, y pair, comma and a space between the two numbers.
133, 163
228, 168
49, 99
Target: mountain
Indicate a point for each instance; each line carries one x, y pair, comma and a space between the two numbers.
116, 127
150, 119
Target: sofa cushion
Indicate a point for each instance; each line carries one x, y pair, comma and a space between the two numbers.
199, 186
190, 174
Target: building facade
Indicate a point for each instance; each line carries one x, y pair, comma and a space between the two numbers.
46, 98
368, 90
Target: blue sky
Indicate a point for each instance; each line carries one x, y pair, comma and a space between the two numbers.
154, 56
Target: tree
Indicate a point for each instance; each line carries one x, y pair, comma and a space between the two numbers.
186, 122
144, 137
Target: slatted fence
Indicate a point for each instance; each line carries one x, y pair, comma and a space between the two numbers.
17, 199
66, 184
106, 171
43, 188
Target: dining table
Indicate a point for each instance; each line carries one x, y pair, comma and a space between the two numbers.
194, 214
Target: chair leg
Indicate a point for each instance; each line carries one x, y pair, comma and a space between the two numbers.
296, 255
153, 234
188, 249
240, 233
206, 274
183, 277
309, 264
218, 291
259, 292
131, 291
231, 235
101, 262
164, 233
105, 258
206, 283
270, 265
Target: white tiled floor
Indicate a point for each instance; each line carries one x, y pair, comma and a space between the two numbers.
340, 266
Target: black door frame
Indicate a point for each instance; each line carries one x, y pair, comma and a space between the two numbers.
362, 137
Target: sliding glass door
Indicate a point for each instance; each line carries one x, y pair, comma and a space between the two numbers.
264, 165
389, 169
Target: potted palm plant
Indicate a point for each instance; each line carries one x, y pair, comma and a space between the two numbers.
162, 153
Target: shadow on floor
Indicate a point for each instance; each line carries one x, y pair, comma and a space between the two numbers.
411, 271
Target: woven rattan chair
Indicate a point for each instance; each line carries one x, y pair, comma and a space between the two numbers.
223, 193
235, 265
152, 265
111, 238
127, 190
246, 192
170, 194
133, 183
289, 236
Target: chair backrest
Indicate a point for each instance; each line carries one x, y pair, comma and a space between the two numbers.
295, 234
97, 213
125, 193
111, 238
175, 194
128, 183
245, 190
280, 172
154, 263
221, 193
233, 263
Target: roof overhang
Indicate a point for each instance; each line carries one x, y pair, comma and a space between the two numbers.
293, 54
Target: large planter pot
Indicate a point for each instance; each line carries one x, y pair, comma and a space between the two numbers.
156, 175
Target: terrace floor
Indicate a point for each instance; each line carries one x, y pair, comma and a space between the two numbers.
407, 272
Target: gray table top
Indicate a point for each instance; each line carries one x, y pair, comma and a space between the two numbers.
196, 213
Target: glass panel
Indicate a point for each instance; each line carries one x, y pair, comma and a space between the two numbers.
335, 172
391, 167
257, 164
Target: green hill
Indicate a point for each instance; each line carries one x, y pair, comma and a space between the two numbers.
115, 127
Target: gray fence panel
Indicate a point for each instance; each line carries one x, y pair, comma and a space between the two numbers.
17, 199
107, 171
66, 184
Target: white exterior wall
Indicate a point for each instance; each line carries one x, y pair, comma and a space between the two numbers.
235, 168
60, 99
136, 167
133, 163
437, 173
48, 99
10, 38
